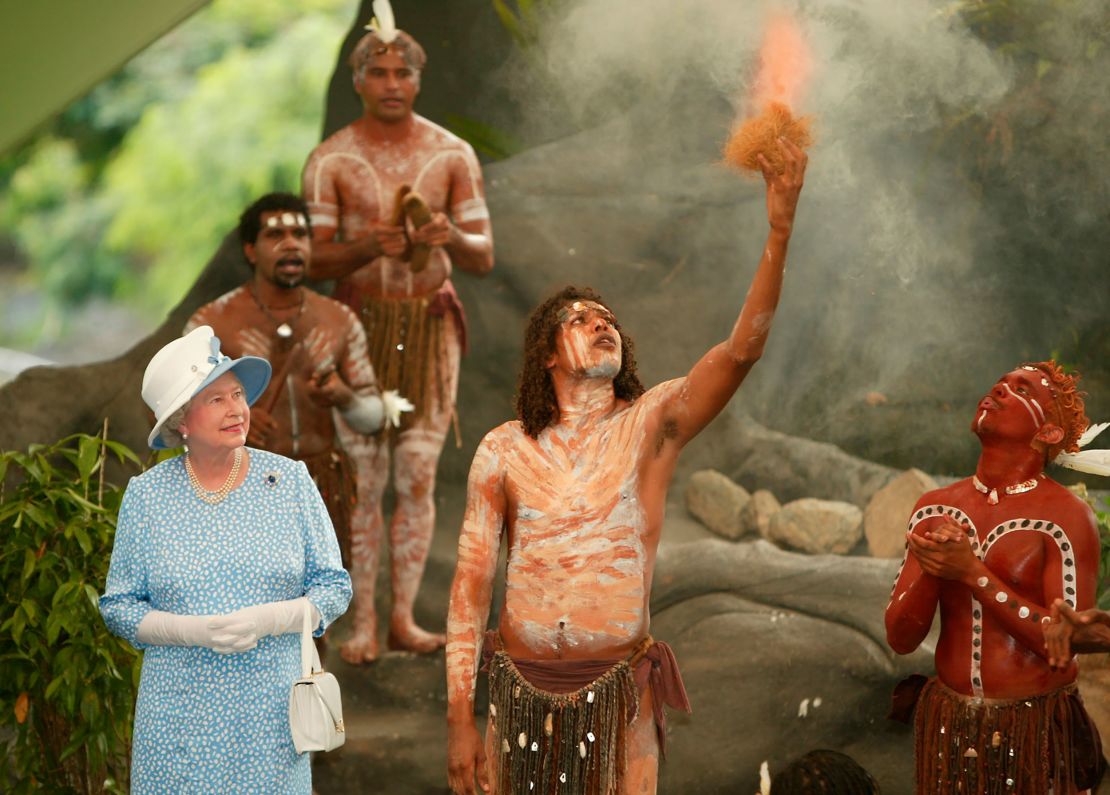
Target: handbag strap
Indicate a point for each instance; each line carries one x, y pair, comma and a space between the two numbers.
310, 658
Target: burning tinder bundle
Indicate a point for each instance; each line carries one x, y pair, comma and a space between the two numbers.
760, 134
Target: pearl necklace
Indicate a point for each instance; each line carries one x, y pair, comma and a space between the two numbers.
992, 494
220, 494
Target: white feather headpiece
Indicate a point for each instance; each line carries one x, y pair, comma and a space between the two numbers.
383, 25
1094, 462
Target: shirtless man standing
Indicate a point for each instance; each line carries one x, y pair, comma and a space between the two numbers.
578, 485
412, 315
317, 348
993, 552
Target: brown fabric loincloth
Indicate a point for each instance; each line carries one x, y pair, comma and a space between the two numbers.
1033, 746
334, 476
561, 724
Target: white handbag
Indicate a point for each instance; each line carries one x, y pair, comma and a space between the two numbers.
315, 711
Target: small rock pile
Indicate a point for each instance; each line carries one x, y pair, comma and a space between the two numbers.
814, 526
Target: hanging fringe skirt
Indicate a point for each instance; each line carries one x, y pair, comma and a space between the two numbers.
406, 347
334, 477
569, 743
1036, 746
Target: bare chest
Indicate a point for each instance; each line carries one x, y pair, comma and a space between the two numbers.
368, 176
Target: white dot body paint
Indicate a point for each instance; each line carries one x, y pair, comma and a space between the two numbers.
979, 422
289, 219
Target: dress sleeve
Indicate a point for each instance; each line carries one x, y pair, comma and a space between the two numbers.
126, 599
326, 583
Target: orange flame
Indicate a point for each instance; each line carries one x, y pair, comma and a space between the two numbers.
785, 65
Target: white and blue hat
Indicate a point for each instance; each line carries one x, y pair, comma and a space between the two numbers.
186, 366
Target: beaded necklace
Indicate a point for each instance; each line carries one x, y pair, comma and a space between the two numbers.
220, 494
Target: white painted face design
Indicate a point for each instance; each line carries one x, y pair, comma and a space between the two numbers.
588, 341
1025, 403
287, 219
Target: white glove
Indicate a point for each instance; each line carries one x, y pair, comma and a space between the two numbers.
228, 634
248, 626
169, 629
393, 404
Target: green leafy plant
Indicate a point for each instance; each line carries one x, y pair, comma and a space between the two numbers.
1104, 560
67, 686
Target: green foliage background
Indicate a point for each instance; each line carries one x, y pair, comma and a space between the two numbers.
67, 686
131, 189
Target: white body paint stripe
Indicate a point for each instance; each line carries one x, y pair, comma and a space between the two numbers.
933, 511
1025, 403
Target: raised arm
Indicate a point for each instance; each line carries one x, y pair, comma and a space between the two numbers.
717, 375
471, 592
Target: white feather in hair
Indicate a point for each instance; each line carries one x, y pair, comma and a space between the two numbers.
1095, 462
383, 23
1093, 430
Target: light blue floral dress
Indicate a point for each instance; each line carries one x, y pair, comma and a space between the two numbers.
208, 722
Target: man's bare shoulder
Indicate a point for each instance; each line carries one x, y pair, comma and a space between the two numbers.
440, 138
342, 140
504, 438
1068, 508
946, 495
660, 394
330, 310
228, 306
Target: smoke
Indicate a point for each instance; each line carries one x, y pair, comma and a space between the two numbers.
907, 277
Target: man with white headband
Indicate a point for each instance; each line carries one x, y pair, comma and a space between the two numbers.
316, 346
397, 203
993, 552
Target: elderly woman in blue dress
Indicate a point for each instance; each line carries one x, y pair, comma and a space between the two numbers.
218, 553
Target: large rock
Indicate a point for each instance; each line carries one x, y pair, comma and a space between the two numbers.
717, 502
756, 516
817, 526
884, 520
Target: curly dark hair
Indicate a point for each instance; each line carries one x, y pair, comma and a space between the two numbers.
250, 222
1068, 400
823, 771
536, 406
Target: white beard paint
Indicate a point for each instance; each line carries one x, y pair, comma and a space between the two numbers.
608, 369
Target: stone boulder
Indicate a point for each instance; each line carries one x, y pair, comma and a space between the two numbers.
717, 502
817, 526
756, 516
884, 520
793, 467
756, 634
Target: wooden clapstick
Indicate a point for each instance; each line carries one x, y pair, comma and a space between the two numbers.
419, 213
279, 379
398, 216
